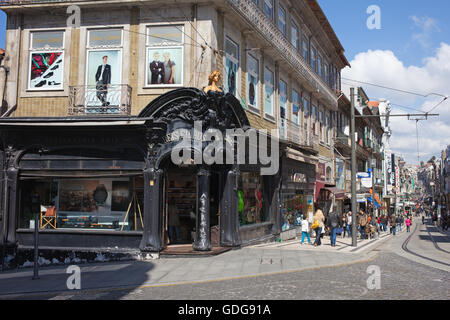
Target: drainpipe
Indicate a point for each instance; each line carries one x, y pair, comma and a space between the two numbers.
3, 84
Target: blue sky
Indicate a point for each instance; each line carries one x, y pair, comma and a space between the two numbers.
348, 18
411, 51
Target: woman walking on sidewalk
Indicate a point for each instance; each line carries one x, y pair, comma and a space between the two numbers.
408, 224
319, 220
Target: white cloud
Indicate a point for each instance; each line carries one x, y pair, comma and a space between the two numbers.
384, 68
427, 26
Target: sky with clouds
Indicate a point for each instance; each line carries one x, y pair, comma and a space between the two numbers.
410, 52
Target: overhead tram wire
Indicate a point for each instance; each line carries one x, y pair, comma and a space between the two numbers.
394, 89
198, 45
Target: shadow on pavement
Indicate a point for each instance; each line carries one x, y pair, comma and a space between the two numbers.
102, 280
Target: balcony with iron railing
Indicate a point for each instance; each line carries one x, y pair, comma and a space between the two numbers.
248, 10
342, 139
90, 100
292, 132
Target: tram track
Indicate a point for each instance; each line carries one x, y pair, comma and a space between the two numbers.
406, 242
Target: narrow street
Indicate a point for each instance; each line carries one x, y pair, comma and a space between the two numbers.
413, 265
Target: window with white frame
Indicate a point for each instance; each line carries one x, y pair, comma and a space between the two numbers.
268, 8
253, 81
305, 48
319, 65
46, 60
295, 36
103, 70
165, 56
313, 59
321, 125
314, 119
268, 91
327, 127
282, 20
295, 107
325, 73
306, 115
231, 66
283, 99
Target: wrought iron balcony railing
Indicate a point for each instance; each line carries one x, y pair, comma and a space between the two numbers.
90, 100
268, 30
292, 132
343, 138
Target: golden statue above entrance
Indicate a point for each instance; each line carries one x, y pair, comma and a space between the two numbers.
213, 79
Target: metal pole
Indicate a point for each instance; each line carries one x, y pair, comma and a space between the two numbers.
373, 187
36, 246
352, 125
36, 208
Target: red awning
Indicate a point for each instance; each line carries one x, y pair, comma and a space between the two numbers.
338, 193
319, 185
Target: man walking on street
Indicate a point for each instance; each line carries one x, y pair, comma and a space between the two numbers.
393, 223
333, 223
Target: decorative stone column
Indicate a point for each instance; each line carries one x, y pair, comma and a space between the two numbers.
153, 206
203, 232
229, 220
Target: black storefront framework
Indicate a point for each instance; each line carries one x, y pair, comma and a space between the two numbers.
104, 162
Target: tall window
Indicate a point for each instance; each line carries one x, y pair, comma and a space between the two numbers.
325, 73
104, 70
283, 106
231, 66
313, 59
319, 65
282, 20
295, 107
327, 127
314, 120
268, 92
164, 56
321, 124
253, 80
268, 8
306, 115
46, 62
305, 48
295, 39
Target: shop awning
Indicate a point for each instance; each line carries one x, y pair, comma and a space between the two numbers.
338, 193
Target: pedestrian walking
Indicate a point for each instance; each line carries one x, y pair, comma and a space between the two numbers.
344, 225
349, 223
393, 224
408, 224
333, 223
363, 220
305, 230
399, 224
318, 226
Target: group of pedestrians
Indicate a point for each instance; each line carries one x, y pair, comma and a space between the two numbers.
367, 225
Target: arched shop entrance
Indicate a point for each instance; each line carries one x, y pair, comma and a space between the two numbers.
112, 180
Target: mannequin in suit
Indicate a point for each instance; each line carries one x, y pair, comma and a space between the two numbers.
103, 80
157, 69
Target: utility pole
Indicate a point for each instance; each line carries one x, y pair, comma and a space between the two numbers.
352, 125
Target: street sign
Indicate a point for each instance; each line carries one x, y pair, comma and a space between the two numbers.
361, 175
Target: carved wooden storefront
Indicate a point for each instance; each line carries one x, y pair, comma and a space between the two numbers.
124, 147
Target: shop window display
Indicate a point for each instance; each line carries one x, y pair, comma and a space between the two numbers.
292, 208
251, 209
102, 203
